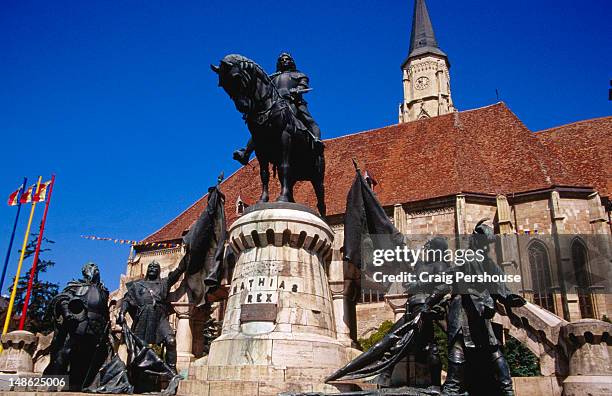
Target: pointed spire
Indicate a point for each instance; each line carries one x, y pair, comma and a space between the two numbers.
422, 37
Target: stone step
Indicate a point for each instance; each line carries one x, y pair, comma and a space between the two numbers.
254, 388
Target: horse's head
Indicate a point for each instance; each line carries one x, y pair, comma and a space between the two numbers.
237, 78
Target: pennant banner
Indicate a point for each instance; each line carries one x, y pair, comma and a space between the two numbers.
130, 242
41, 196
13, 199
26, 197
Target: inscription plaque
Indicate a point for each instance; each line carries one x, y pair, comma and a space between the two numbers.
257, 313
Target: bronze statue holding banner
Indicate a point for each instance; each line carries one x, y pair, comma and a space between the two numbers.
146, 302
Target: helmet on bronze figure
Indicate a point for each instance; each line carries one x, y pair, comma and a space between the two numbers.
91, 272
285, 62
437, 243
482, 236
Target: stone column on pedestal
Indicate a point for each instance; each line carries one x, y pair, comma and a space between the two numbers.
405, 369
121, 347
589, 348
184, 337
18, 348
341, 289
279, 330
397, 302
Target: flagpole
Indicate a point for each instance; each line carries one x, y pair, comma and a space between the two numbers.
8, 253
9, 311
26, 301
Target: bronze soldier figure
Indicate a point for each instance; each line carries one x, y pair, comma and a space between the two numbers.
80, 343
291, 85
408, 335
470, 333
146, 302
470, 310
426, 347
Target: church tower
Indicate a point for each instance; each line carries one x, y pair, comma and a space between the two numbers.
425, 72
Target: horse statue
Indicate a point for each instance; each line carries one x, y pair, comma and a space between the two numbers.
280, 138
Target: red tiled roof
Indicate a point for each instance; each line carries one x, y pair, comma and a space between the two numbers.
585, 148
487, 150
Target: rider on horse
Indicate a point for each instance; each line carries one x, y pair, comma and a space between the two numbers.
291, 84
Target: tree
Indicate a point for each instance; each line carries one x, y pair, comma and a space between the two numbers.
367, 343
522, 362
42, 291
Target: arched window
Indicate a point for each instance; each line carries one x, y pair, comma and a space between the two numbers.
540, 276
583, 279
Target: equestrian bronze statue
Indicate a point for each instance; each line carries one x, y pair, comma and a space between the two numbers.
291, 84
281, 135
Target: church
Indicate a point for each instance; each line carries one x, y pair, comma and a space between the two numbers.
440, 170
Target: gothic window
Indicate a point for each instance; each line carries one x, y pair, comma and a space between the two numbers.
583, 279
539, 266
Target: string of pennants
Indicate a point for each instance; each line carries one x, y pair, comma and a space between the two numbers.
171, 245
130, 242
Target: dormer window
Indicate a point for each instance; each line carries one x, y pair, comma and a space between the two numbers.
240, 206
370, 179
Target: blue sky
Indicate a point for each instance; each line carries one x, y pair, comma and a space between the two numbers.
118, 100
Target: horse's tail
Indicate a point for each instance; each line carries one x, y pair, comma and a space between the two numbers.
273, 170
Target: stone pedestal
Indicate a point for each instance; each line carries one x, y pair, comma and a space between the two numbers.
404, 371
121, 348
279, 331
589, 348
18, 348
184, 337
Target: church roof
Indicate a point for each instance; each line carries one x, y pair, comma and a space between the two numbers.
485, 151
585, 147
422, 38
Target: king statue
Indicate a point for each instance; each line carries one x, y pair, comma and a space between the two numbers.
291, 84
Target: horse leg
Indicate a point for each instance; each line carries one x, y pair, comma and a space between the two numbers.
284, 169
319, 189
264, 172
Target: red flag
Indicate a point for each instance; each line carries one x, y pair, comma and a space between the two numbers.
42, 192
13, 198
27, 195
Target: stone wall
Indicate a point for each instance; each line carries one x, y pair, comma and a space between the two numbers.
532, 216
429, 221
577, 216
167, 259
370, 316
474, 212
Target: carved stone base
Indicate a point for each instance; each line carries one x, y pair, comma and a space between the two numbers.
589, 348
403, 391
18, 348
279, 330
